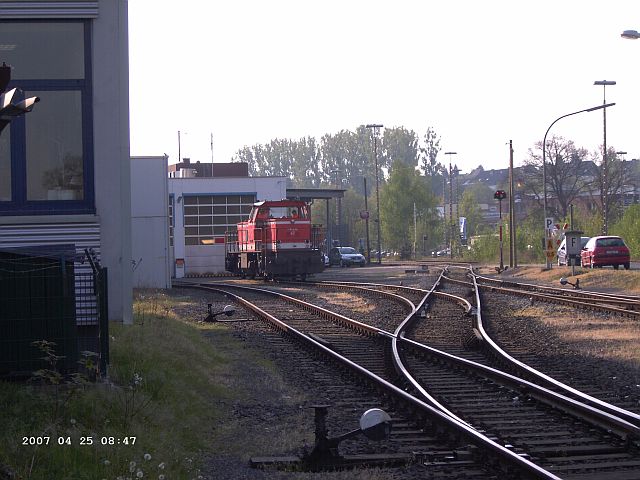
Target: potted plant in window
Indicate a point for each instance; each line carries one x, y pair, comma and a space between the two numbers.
64, 182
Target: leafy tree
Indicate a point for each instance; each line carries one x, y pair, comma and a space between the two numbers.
629, 229
405, 189
305, 155
429, 154
399, 144
428, 159
471, 211
346, 156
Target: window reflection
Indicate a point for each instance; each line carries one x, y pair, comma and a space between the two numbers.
54, 159
5, 164
39, 50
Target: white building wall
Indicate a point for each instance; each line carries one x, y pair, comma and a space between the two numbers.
150, 222
111, 147
205, 259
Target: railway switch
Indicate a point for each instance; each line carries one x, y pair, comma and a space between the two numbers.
564, 281
228, 310
375, 424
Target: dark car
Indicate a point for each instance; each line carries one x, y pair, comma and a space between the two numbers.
562, 250
605, 250
346, 256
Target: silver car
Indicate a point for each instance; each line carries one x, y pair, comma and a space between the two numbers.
346, 256
562, 250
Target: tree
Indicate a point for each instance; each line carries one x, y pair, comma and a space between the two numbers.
399, 144
567, 174
429, 165
429, 154
629, 229
471, 211
305, 154
405, 189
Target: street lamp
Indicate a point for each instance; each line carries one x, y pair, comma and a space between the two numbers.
630, 34
544, 162
376, 130
605, 164
451, 227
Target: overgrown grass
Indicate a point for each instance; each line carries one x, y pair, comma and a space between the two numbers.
160, 390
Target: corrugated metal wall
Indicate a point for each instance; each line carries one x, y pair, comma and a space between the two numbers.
81, 235
48, 9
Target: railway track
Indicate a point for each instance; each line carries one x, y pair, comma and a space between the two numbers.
625, 305
522, 416
604, 386
333, 342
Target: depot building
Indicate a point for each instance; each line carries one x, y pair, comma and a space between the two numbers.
181, 212
203, 207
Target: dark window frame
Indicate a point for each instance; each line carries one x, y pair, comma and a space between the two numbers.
19, 205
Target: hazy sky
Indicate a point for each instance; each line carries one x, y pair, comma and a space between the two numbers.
479, 73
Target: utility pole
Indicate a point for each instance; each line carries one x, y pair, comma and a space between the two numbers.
622, 179
212, 152
513, 260
338, 211
375, 131
605, 163
366, 218
451, 226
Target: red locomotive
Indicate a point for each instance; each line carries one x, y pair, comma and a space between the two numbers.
278, 240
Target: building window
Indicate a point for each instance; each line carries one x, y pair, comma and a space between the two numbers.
47, 154
213, 216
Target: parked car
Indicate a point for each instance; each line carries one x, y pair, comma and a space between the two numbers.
346, 256
605, 250
562, 250
445, 252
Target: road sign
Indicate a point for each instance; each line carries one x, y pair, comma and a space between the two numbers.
550, 249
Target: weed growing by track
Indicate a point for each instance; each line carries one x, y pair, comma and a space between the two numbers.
151, 419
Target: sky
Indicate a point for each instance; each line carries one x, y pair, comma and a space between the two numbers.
479, 73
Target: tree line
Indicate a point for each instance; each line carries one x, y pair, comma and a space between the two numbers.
414, 185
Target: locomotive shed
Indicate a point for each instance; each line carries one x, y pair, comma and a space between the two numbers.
583, 368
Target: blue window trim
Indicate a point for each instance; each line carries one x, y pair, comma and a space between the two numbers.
19, 205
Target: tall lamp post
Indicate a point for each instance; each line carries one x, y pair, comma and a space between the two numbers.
605, 163
544, 156
376, 130
450, 204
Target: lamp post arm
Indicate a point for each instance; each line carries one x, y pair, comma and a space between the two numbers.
544, 144
544, 153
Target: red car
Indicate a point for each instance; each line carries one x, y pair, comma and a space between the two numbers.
605, 250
